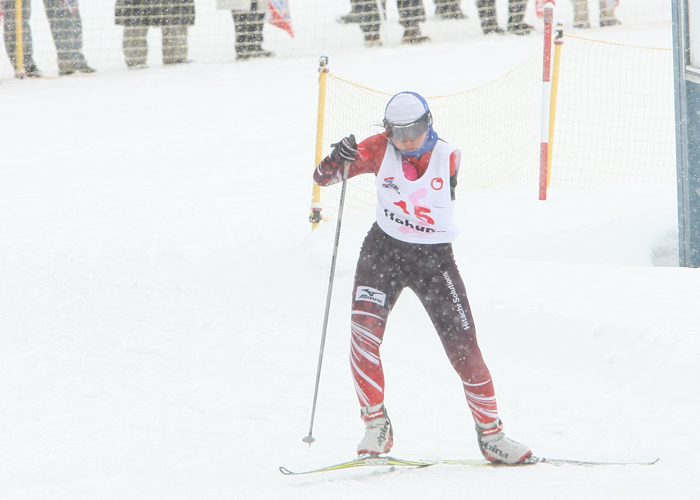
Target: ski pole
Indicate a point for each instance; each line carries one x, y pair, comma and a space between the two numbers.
310, 439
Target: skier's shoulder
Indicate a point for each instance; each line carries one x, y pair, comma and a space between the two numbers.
455, 155
375, 144
444, 145
370, 153
455, 158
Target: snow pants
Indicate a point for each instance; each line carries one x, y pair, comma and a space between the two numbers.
487, 14
66, 30
249, 31
411, 12
386, 266
10, 36
135, 44
581, 19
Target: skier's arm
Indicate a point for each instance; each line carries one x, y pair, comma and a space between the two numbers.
368, 159
455, 158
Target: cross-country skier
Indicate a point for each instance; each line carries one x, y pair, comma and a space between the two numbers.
410, 246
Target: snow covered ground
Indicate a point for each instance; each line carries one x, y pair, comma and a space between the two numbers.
161, 301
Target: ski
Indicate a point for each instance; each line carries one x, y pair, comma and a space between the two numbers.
585, 463
478, 462
540, 460
384, 461
371, 461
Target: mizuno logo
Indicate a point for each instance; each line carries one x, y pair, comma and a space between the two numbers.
370, 294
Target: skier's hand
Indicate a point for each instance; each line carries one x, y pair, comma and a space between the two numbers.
345, 149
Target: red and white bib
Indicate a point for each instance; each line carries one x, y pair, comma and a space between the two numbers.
419, 211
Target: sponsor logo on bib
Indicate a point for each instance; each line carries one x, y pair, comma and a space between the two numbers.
389, 184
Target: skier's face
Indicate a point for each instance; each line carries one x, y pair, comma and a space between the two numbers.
410, 145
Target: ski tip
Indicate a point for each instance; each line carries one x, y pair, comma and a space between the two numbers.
585, 463
286, 471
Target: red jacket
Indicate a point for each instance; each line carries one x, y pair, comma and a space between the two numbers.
370, 154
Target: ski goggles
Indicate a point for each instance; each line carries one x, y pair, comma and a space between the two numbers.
408, 131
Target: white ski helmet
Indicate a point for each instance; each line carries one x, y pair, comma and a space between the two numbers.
407, 116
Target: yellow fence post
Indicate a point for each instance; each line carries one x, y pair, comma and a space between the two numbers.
19, 47
558, 42
315, 217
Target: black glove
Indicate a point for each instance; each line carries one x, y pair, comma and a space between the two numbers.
345, 149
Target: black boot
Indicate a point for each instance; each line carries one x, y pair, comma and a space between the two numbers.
372, 40
69, 67
413, 36
487, 15
30, 71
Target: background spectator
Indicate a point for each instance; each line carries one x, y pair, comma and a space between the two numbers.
172, 16
66, 30
411, 14
248, 19
355, 13
516, 13
607, 13
449, 9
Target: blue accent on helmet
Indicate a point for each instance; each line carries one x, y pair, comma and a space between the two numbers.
429, 143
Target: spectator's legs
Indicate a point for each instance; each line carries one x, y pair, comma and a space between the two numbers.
487, 15
412, 13
448, 9
369, 21
581, 19
135, 46
67, 32
8, 17
256, 37
607, 14
355, 13
516, 12
249, 37
174, 44
240, 22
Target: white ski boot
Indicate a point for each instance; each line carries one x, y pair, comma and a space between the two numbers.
496, 447
379, 436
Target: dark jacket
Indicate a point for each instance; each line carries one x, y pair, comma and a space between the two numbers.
154, 12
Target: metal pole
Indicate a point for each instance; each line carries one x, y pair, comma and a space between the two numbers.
546, 95
680, 60
19, 40
310, 439
558, 42
686, 60
315, 216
